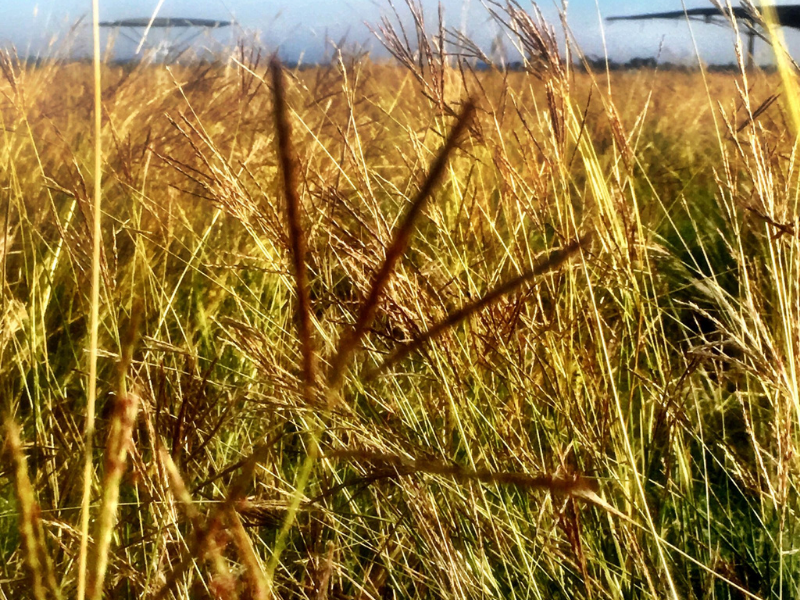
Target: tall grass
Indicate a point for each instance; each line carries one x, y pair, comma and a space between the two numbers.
94, 324
399, 330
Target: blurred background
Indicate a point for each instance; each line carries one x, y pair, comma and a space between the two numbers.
302, 30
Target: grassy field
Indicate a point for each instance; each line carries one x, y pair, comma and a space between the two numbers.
551, 355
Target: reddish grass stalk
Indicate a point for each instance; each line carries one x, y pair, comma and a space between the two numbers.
572, 484
555, 260
297, 241
395, 251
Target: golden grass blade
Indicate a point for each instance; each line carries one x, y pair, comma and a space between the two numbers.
301, 482
95, 306
396, 250
555, 260
297, 241
37, 558
783, 61
178, 487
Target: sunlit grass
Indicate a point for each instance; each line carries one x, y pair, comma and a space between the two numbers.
547, 349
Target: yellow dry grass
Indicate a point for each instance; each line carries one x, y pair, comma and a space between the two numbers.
577, 380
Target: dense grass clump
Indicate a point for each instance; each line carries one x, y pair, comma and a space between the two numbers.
401, 330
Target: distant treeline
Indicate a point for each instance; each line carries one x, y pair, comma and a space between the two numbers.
601, 64
595, 64
652, 63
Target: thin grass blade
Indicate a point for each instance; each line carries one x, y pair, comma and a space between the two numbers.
88, 471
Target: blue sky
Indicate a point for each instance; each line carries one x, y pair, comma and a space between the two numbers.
302, 25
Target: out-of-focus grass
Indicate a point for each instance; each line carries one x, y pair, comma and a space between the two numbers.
620, 425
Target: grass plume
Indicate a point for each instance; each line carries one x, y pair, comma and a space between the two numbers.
395, 251
297, 241
555, 260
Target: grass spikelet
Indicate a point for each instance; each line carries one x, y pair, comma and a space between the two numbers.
395, 251
567, 485
37, 558
297, 241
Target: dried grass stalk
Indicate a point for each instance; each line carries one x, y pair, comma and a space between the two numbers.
395, 251
572, 484
555, 260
